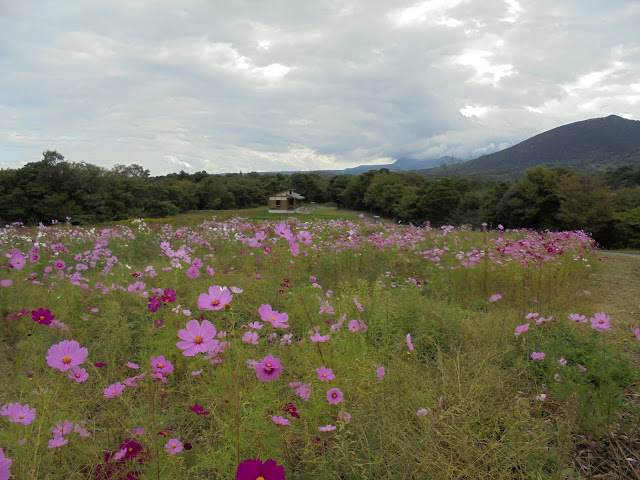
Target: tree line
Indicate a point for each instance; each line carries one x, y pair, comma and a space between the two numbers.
606, 204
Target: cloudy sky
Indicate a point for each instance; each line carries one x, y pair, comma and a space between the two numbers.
248, 85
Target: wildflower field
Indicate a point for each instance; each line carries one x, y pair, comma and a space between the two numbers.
330, 348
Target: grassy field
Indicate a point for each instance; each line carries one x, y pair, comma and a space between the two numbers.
342, 349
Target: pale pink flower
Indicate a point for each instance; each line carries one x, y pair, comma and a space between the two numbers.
495, 298
275, 318
216, 299
358, 306
600, 322
113, 390
325, 374
317, 338
422, 412
173, 446
576, 317
537, 355
381, 372
344, 416
278, 420
522, 329
250, 337
197, 338
66, 355
327, 428
409, 343
334, 396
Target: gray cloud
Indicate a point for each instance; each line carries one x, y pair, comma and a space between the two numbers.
248, 85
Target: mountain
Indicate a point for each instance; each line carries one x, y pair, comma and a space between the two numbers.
595, 144
405, 164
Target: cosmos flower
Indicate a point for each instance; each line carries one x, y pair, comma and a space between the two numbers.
42, 316
113, 390
252, 469
197, 338
600, 322
278, 420
18, 413
327, 428
537, 355
334, 396
173, 446
521, 329
216, 299
275, 318
325, 374
66, 355
269, 368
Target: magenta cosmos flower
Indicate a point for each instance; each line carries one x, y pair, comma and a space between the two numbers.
334, 396
197, 338
65, 355
537, 355
113, 390
217, 299
269, 368
42, 316
275, 318
253, 469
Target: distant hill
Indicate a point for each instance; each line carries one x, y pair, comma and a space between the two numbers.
404, 164
595, 144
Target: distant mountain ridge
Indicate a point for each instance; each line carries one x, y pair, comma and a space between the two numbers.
595, 144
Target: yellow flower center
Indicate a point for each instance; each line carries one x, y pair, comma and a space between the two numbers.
272, 317
334, 395
66, 360
77, 375
41, 317
160, 365
324, 375
198, 340
21, 416
260, 478
131, 449
215, 303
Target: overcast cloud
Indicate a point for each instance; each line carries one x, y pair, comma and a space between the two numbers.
241, 85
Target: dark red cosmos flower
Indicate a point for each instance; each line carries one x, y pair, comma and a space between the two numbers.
132, 447
154, 304
199, 410
169, 295
99, 364
19, 314
42, 316
252, 469
291, 409
165, 432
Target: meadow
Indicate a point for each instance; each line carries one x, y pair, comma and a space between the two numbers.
247, 345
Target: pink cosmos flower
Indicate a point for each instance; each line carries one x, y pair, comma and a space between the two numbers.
325, 374
582, 367
380, 372
353, 326
173, 446
133, 381
59, 264
78, 374
193, 272
250, 337
18, 413
325, 307
217, 299
576, 317
334, 396
199, 410
135, 366
562, 362
269, 368
304, 391
317, 338
600, 322
278, 420
531, 315
422, 412
636, 332
80, 431
197, 338
537, 355
6, 283
62, 428
521, 329
358, 306
253, 469
255, 325
540, 320
409, 343
57, 442
65, 355
327, 428
275, 318
5, 465
344, 416
495, 298
113, 390
161, 365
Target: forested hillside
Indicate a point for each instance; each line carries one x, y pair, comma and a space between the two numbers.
606, 203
